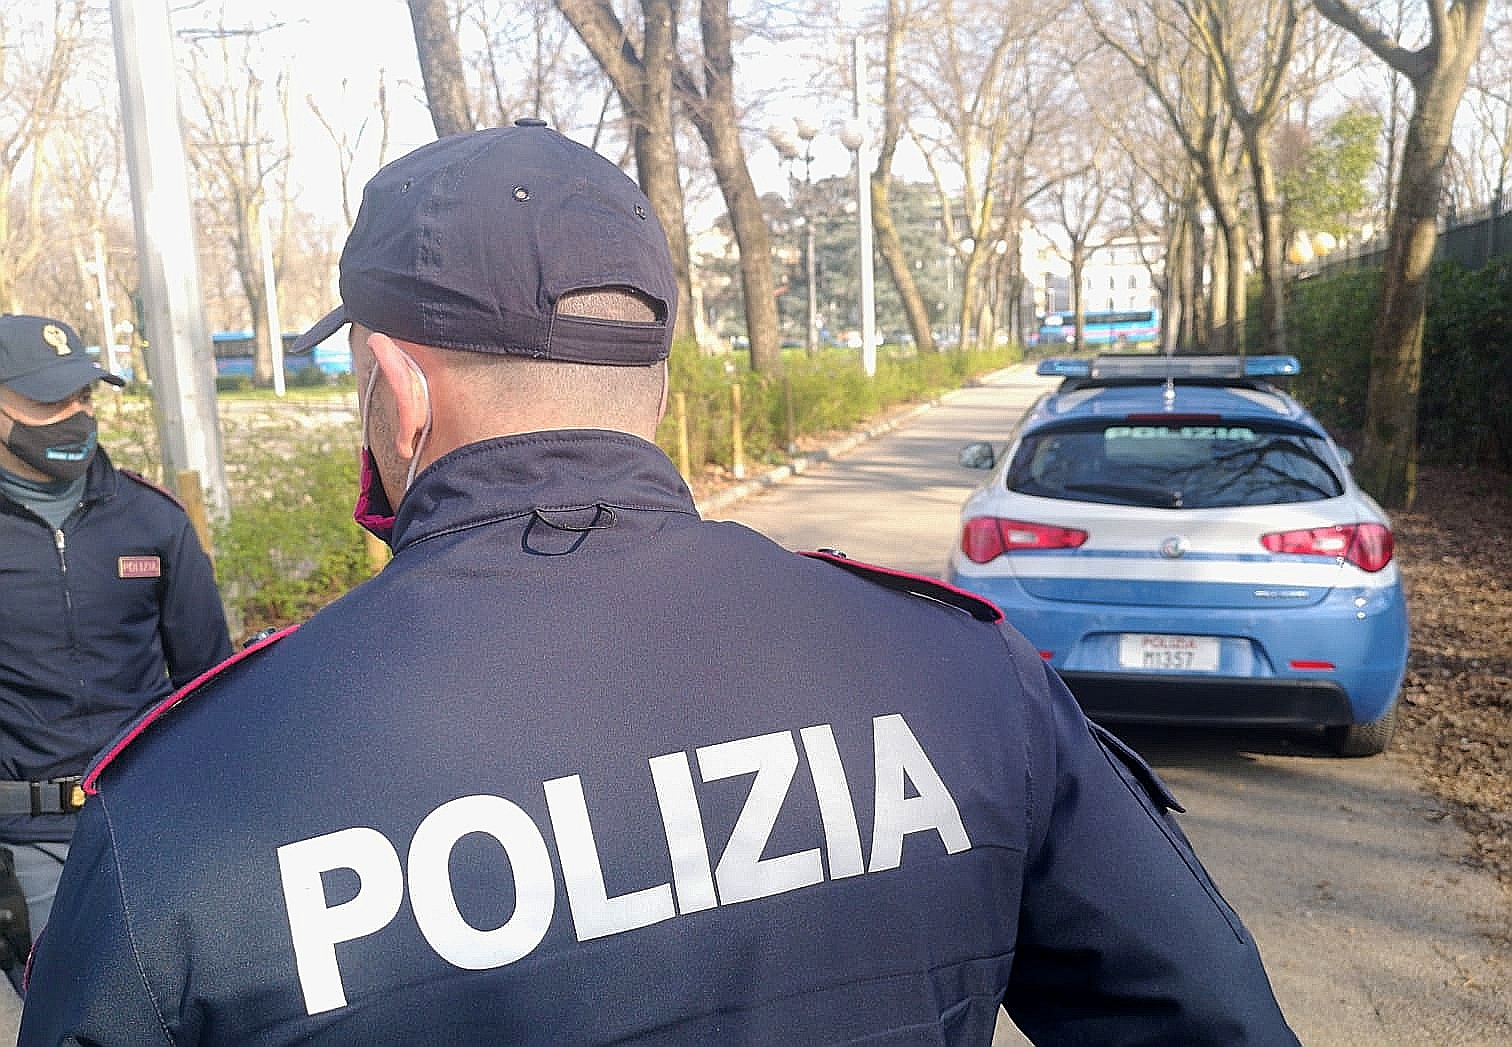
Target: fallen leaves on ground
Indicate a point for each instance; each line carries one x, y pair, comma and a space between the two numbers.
1455, 552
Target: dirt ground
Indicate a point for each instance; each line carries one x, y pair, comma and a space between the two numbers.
1455, 552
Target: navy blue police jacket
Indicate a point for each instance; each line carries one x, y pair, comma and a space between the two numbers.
578, 767
100, 619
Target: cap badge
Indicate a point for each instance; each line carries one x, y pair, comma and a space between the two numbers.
53, 335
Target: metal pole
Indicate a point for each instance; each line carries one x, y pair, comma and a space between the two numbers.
107, 321
807, 133
270, 295
864, 220
178, 344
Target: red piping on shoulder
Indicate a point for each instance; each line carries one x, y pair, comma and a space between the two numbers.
918, 584
159, 488
92, 778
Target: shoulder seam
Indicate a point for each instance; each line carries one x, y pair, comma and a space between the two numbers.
140, 726
159, 488
913, 584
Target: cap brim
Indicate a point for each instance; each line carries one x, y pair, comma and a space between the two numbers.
61, 380
326, 326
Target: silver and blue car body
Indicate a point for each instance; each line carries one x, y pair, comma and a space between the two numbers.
1184, 542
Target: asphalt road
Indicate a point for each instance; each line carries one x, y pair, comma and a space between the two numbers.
1373, 929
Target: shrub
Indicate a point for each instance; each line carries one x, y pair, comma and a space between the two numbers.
1465, 395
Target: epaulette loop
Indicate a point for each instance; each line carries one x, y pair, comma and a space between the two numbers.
914, 584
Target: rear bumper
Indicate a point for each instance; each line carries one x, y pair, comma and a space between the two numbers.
1340, 661
1210, 700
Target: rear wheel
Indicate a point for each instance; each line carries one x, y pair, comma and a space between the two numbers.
1363, 739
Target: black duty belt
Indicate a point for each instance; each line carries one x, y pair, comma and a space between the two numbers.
57, 796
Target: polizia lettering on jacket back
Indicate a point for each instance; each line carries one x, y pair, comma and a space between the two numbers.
911, 797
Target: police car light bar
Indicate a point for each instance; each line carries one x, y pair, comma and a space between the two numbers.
1162, 367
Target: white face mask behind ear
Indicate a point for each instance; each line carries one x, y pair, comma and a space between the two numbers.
373, 511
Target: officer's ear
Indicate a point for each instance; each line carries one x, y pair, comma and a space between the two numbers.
406, 383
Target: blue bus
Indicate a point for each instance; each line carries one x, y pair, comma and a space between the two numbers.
1117, 328
233, 353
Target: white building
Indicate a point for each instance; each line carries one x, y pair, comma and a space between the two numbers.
1120, 273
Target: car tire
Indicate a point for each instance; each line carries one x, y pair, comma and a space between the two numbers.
1363, 739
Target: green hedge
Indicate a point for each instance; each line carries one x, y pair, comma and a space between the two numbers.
1465, 400
822, 393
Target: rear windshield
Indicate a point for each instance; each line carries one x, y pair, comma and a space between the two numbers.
1175, 466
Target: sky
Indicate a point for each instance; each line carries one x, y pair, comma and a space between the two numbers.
324, 43
328, 41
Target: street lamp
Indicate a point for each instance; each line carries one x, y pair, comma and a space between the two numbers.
855, 138
789, 151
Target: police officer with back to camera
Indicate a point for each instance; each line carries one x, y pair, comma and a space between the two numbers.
107, 602
578, 767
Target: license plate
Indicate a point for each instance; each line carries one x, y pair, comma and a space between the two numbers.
1162, 651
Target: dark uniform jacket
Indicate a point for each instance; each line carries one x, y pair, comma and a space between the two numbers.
580, 768
99, 620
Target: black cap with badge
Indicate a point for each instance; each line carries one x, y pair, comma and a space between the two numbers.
471, 241
44, 360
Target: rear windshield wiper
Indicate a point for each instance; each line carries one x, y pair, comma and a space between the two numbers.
1134, 494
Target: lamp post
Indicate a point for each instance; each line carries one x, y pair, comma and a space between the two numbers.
789, 151
855, 138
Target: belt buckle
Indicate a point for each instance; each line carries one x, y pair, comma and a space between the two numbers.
71, 795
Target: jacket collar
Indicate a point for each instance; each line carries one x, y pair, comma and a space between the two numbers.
556, 472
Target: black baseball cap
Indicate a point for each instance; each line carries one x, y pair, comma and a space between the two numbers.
44, 360
470, 242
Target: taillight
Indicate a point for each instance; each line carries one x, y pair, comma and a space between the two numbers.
1368, 545
985, 538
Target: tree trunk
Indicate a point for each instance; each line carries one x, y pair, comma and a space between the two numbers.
970, 275
1216, 324
891, 247
1387, 466
713, 113
1272, 247
1228, 291
656, 147
440, 67
643, 83
1388, 458
1078, 292
1197, 327
889, 243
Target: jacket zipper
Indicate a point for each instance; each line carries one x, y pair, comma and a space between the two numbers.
60, 542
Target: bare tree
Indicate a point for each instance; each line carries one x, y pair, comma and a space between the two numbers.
240, 155
1489, 100
1163, 201
642, 79
987, 82
1157, 41
1079, 200
1437, 71
1250, 47
889, 244
441, 67
709, 101
31, 88
348, 141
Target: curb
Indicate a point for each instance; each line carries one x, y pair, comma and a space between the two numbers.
805, 462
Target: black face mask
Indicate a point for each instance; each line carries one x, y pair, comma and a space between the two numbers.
61, 449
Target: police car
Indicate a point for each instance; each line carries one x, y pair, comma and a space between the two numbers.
1184, 542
